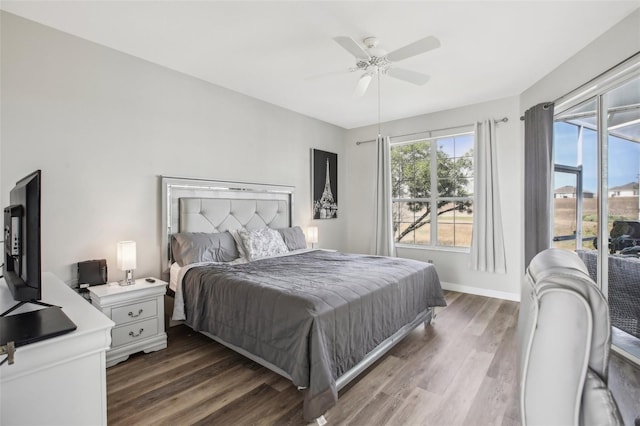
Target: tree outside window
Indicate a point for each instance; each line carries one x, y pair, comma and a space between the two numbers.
433, 215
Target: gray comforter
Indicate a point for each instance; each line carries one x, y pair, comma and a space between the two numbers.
314, 315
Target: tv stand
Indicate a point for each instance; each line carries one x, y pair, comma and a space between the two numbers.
34, 302
74, 362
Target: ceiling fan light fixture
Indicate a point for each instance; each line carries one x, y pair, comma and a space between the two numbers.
376, 61
363, 85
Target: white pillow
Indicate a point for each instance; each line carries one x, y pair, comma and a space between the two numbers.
239, 244
262, 243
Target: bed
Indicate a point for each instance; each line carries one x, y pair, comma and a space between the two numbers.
316, 317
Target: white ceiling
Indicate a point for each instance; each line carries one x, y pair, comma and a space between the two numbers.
284, 53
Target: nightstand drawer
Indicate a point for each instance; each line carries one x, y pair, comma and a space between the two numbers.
134, 312
133, 332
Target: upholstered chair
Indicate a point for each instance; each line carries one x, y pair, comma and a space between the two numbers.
565, 337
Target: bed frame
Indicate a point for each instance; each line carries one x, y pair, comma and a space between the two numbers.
197, 205
200, 205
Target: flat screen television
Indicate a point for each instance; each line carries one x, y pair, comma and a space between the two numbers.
22, 271
22, 260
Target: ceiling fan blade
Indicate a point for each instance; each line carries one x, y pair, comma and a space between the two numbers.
363, 85
416, 48
352, 47
408, 75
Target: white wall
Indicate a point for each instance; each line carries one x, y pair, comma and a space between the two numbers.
103, 126
452, 266
611, 48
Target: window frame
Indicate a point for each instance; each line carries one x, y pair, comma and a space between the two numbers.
431, 138
600, 89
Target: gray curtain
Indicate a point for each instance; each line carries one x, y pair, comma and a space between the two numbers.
538, 166
383, 241
487, 245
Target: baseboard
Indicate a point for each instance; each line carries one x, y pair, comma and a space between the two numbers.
626, 345
626, 354
481, 291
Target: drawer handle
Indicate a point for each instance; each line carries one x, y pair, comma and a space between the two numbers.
132, 334
132, 315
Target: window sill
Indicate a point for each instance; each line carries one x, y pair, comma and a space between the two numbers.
465, 250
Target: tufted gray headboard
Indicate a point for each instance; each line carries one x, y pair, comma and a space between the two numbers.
199, 205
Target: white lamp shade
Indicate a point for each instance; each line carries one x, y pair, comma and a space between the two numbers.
126, 255
312, 234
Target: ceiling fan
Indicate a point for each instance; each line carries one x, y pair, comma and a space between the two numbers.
373, 60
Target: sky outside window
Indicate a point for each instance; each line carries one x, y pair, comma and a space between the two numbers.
624, 157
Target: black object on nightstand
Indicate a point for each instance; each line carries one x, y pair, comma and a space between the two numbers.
150, 280
92, 272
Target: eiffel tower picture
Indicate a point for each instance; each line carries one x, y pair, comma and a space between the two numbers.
325, 184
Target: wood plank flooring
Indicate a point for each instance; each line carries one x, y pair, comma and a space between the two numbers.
461, 370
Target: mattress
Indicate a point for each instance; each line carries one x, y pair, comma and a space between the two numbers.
314, 314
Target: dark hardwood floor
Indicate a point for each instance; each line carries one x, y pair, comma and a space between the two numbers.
624, 382
461, 370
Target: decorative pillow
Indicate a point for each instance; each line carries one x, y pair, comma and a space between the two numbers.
293, 238
239, 244
194, 247
261, 243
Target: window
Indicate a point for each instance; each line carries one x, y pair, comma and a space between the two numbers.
596, 207
575, 179
432, 190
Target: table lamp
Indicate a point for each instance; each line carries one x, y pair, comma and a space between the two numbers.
312, 235
127, 260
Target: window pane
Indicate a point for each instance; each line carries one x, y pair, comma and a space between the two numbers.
623, 124
575, 145
565, 143
456, 146
411, 222
455, 166
565, 210
459, 186
624, 169
455, 220
411, 171
566, 133
624, 111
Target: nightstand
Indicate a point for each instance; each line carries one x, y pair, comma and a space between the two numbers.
138, 311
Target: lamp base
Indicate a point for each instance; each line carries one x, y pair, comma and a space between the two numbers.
128, 280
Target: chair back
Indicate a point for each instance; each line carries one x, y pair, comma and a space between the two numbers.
564, 342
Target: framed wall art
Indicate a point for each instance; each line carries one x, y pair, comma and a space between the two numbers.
324, 184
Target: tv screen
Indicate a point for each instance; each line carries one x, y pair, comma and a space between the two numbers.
21, 268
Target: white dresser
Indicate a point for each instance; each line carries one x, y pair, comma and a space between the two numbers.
138, 313
62, 380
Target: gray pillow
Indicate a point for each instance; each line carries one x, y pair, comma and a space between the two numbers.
293, 238
194, 247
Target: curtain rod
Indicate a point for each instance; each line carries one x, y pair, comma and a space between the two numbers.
545, 106
501, 120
